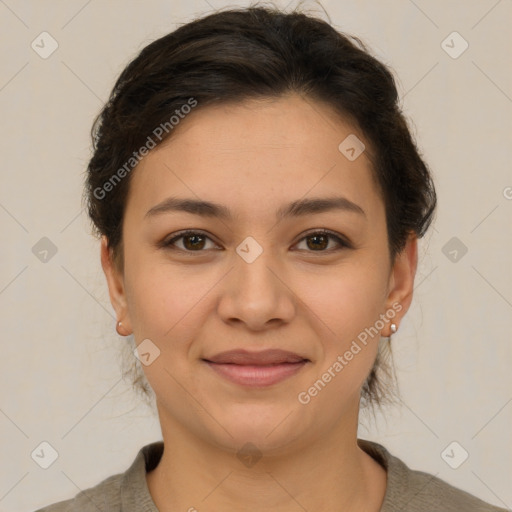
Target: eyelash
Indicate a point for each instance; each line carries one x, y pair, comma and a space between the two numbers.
168, 243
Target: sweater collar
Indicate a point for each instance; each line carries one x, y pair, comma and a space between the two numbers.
135, 495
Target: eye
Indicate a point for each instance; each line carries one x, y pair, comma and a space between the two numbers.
193, 241
318, 241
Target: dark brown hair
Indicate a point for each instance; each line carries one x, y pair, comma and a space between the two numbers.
256, 53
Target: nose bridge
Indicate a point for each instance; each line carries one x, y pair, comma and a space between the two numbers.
256, 275
255, 294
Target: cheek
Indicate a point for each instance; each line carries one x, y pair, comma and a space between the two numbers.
345, 321
165, 307
169, 305
167, 302
347, 300
347, 305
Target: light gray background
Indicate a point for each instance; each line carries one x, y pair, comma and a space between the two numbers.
60, 353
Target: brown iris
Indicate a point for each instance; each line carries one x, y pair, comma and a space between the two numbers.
325, 239
195, 244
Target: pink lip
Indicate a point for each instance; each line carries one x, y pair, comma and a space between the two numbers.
256, 375
264, 357
256, 369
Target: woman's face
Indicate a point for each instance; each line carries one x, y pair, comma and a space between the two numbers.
257, 274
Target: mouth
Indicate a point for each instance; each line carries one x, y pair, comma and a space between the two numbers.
256, 369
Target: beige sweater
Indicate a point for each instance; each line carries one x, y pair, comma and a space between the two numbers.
407, 490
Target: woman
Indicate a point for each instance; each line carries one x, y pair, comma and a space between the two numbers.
259, 199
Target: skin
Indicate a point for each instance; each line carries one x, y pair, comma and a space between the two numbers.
300, 295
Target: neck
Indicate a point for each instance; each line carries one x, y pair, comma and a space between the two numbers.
332, 473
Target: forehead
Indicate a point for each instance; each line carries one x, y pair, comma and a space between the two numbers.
255, 156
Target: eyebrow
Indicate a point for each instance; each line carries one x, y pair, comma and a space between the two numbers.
297, 208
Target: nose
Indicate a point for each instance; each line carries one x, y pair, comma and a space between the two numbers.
257, 294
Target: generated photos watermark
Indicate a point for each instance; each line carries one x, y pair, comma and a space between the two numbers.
343, 360
158, 133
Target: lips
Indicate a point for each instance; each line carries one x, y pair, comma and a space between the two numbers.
262, 358
256, 369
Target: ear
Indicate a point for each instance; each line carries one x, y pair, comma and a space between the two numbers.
401, 279
115, 282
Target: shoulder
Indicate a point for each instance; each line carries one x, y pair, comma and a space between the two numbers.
417, 491
123, 492
103, 497
430, 493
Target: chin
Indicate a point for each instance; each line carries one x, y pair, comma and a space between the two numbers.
268, 430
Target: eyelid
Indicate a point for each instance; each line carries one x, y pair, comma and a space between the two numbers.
167, 242
343, 242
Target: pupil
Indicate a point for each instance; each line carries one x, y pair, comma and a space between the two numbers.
316, 237
193, 244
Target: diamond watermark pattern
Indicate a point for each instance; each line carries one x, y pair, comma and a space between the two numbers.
249, 455
44, 455
44, 45
454, 455
146, 352
454, 45
351, 147
249, 249
44, 250
454, 249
